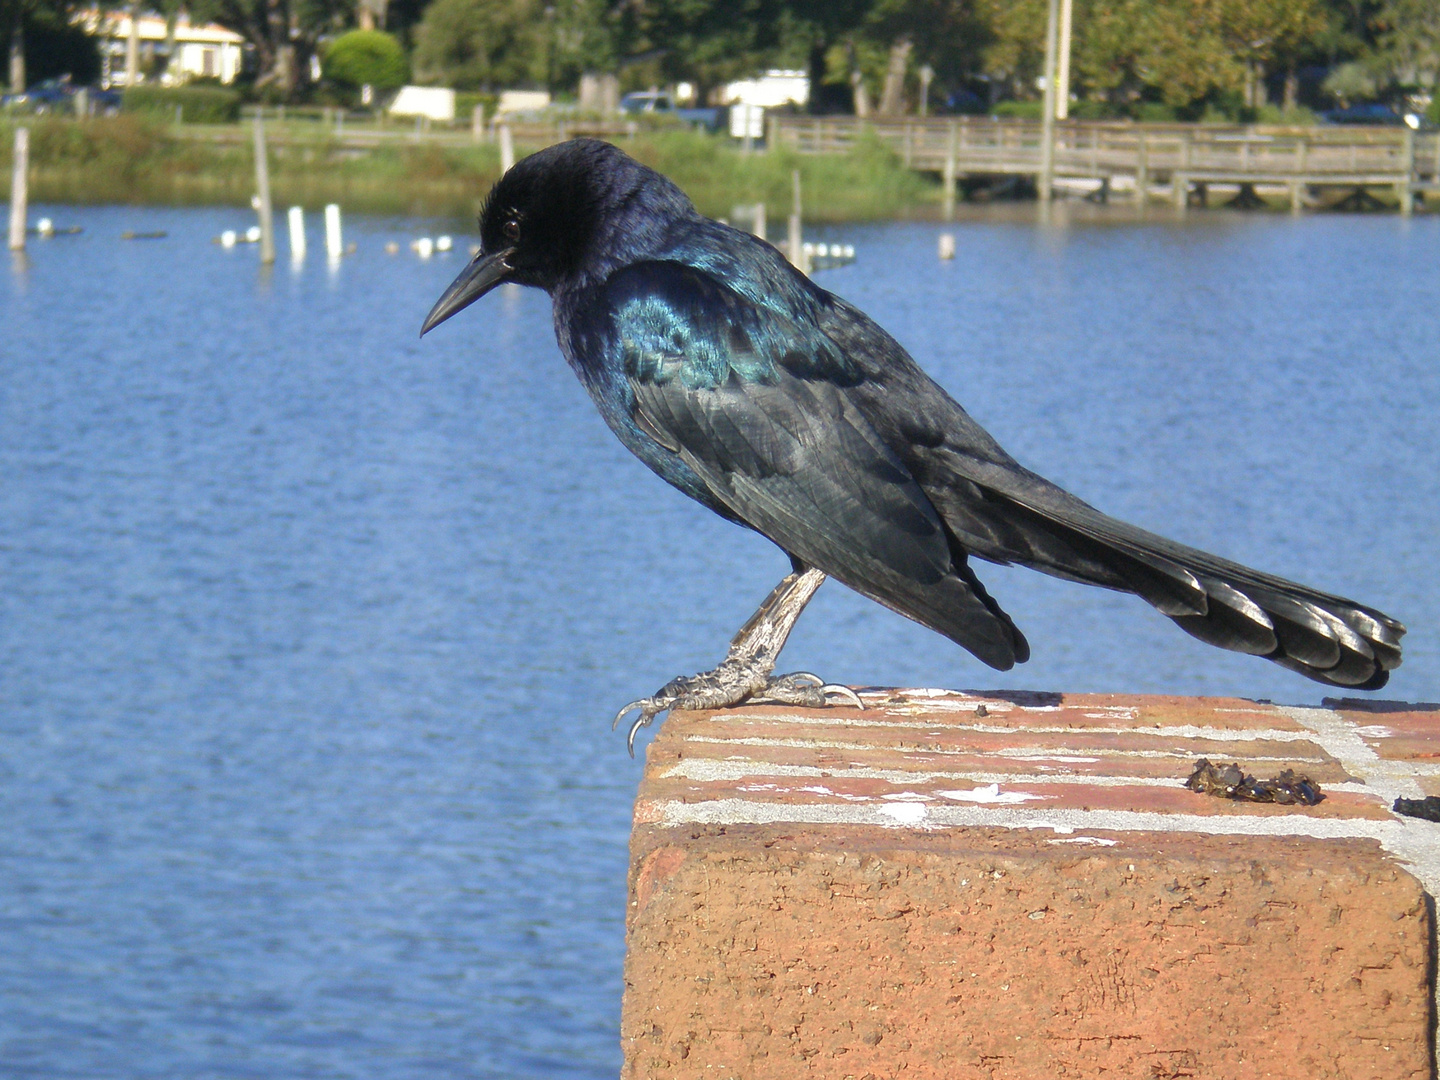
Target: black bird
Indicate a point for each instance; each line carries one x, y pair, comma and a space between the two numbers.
785, 409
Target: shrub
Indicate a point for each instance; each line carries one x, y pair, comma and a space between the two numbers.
198, 104
1019, 110
367, 57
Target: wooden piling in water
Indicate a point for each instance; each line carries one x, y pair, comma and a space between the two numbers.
1406, 188
477, 124
334, 242
262, 192
297, 234
18, 189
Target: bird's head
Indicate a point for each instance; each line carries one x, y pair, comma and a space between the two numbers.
558, 213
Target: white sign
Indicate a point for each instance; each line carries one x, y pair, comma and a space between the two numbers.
747, 120
435, 102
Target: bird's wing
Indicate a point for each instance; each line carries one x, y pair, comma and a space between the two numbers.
757, 405
1000, 511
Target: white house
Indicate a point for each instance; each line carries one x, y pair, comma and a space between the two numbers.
201, 50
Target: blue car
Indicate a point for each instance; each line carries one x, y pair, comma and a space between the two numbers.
58, 95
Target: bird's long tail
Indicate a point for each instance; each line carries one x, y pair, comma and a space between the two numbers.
1327, 638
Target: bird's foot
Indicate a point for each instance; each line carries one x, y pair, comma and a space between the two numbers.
737, 679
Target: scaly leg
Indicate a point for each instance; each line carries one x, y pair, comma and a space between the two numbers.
746, 672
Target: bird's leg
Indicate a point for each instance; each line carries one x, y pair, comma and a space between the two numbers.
746, 674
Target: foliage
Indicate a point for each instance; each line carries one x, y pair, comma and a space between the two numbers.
197, 104
364, 57
482, 44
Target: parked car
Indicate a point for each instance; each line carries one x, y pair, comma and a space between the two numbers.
58, 95
659, 103
1375, 114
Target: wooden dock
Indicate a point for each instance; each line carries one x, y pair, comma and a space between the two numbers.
1183, 160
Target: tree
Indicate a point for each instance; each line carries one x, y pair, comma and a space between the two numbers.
1408, 45
41, 41
482, 44
367, 58
283, 33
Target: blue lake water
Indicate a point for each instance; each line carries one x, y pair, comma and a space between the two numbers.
311, 632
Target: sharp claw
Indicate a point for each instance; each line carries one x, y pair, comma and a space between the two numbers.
635, 730
809, 676
621, 715
844, 693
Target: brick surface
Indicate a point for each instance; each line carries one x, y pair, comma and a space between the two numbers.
1018, 885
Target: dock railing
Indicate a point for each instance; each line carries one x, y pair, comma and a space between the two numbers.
1181, 154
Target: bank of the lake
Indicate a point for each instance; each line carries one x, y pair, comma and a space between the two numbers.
131, 160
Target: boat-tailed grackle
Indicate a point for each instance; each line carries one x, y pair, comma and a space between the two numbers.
783, 408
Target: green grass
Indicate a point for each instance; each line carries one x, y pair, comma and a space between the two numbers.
138, 160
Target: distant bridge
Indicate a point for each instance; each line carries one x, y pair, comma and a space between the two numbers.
1185, 160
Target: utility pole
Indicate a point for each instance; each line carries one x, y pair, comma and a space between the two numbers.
1045, 181
1062, 88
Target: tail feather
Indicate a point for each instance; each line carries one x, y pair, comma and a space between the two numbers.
1323, 637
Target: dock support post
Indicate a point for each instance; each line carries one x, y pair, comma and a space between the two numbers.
19, 194
1142, 171
1297, 202
949, 179
1406, 188
1046, 179
477, 124
262, 192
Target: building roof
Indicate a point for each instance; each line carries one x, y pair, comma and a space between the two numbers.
115, 25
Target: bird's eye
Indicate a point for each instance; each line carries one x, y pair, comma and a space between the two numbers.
512, 230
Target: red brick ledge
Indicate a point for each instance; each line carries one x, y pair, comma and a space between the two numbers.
749, 818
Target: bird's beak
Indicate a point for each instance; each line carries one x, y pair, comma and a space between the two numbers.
482, 275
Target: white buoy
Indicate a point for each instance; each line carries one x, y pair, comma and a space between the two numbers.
443, 243
334, 247
392, 248
823, 250
297, 233
252, 234
45, 227
424, 247
849, 251
228, 238
947, 245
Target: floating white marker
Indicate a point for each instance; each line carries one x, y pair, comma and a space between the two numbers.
424, 247
228, 238
947, 245
45, 227
297, 233
252, 234
334, 248
392, 248
443, 243
823, 250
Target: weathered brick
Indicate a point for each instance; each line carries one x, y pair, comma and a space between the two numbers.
918, 889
